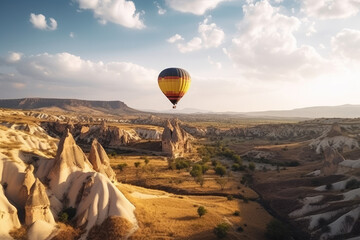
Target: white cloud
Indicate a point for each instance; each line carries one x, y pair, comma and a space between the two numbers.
161, 11
72, 35
39, 21
198, 7
210, 36
311, 29
65, 68
266, 47
13, 57
193, 45
346, 44
120, 12
67, 75
175, 38
331, 9
218, 65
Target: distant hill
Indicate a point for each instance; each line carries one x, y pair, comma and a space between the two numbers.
342, 111
69, 105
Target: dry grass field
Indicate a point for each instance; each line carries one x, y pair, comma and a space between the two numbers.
162, 215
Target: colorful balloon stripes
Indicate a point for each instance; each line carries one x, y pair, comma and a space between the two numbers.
174, 83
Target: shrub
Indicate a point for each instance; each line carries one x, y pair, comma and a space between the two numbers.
237, 213
146, 160
63, 217
220, 170
329, 186
121, 166
230, 197
240, 229
352, 184
181, 163
252, 166
276, 230
66, 214
214, 162
221, 230
201, 211
137, 164
196, 170
236, 167
222, 182
204, 168
200, 180
205, 159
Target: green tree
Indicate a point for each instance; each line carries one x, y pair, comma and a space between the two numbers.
222, 182
201, 211
196, 170
121, 166
220, 170
221, 230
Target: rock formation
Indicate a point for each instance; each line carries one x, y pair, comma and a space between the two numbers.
38, 205
331, 163
69, 161
77, 185
149, 134
336, 139
100, 160
175, 141
8, 216
29, 180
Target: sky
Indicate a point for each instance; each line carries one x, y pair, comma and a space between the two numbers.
242, 55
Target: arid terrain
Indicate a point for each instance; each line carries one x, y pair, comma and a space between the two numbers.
123, 174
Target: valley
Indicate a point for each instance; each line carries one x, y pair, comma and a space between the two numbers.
245, 174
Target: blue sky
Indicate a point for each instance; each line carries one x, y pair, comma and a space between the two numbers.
242, 55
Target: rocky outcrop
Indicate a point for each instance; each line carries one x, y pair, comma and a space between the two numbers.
8, 216
175, 141
148, 134
77, 185
266, 131
258, 155
96, 198
334, 138
38, 205
331, 162
69, 161
110, 136
29, 180
100, 160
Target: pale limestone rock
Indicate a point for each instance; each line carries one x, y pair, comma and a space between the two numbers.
70, 160
29, 180
38, 205
100, 160
8, 216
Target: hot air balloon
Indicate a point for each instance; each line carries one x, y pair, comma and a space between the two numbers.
174, 83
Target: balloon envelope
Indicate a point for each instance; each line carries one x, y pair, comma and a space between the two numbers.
174, 83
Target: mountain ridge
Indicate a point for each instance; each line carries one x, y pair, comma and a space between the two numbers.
71, 105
